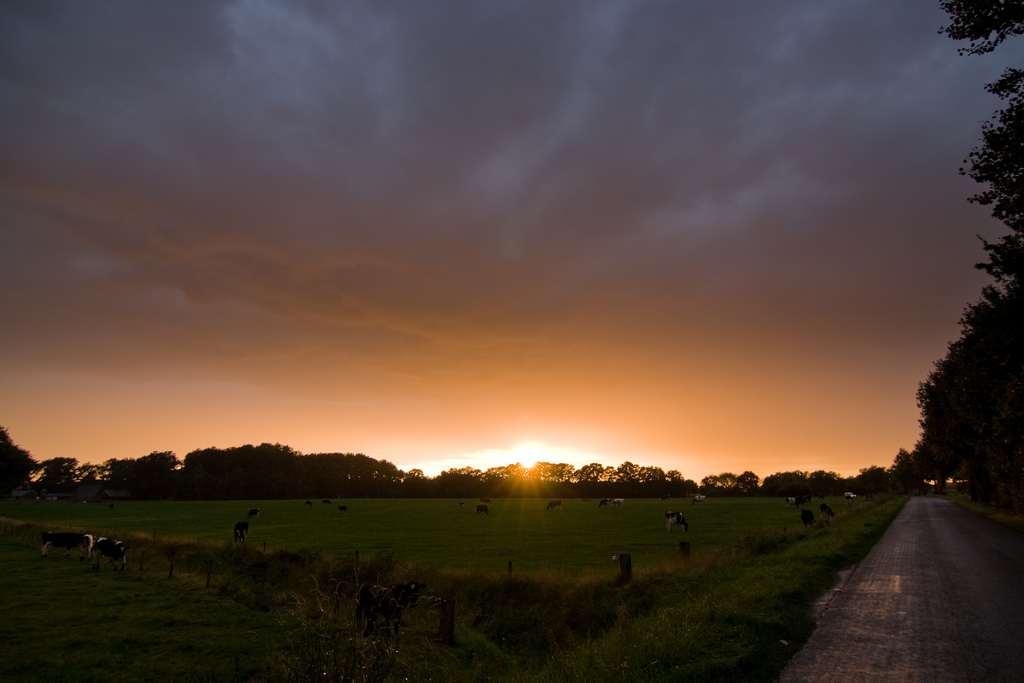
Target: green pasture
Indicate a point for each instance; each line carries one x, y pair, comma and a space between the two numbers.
578, 537
193, 605
63, 622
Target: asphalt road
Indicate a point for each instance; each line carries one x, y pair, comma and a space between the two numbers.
939, 598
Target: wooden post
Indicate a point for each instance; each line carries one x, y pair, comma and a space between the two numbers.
625, 568
510, 566
446, 632
142, 559
264, 587
684, 551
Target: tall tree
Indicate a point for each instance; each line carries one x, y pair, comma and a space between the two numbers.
16, 464
58, 475
972, 404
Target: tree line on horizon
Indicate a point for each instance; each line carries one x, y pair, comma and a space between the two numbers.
972, 403
275, 471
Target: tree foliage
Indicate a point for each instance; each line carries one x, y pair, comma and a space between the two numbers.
972, 403
986, 23
16, 464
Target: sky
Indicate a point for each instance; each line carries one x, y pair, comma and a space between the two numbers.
468, 234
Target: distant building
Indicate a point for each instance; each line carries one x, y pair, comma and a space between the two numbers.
88, 492
99, 492
24, 494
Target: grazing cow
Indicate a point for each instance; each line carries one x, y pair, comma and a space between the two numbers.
807, 517
255, 512
68, 541
791, 501
385, 602
309, 502
326, 502
673, 518
343, 508
483, 509
826, 511
241, 531
698, 499
115, 550
485, 500
553, 504
849, 495
666, 497
462, 504
604, 501
618, 501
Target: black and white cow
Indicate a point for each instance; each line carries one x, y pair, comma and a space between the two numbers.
698, 499
485, 500
326, 501
254, 512
826, 511
309, 502
241, 531
791, 501
374, 603
604, 501
849, 495
807, 517
553, 504
482, 509
107, 547
674, 518
69, 542
343, 508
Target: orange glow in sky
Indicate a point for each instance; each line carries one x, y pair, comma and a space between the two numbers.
687, 237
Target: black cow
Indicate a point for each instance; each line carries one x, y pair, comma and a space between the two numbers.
254, 512
241, 531
68, 541
326, 501
385, 602
826, 511
553, 504
309, 502
115, 550
673, 518
482, 509
807, 517
343, 508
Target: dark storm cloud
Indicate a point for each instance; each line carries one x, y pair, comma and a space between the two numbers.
403, 188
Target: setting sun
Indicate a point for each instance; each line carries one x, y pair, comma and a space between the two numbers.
530, 453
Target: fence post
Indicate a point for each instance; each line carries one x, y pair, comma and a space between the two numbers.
625, 568
446, 632
684, 551
510, 566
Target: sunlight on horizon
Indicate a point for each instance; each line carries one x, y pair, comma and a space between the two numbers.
526, 453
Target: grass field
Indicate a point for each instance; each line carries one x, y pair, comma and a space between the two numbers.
737, 610
579, 537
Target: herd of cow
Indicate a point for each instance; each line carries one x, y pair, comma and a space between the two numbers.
92, 548
374, 604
